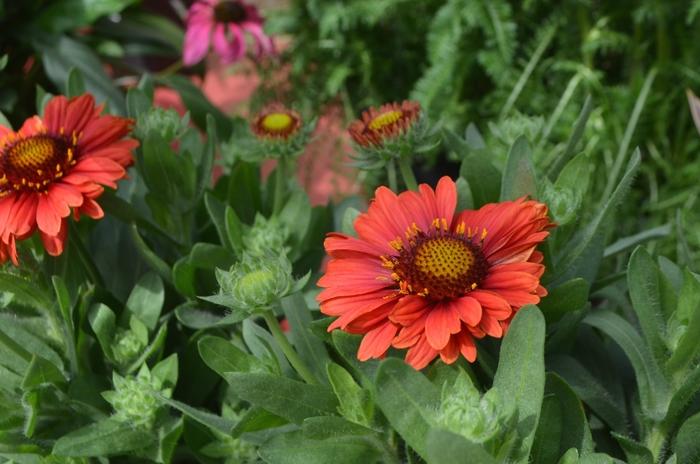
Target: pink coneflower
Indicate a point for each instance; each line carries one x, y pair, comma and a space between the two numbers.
424, 277
223, 22
56, 165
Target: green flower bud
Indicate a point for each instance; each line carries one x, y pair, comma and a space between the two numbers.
129, 344
266, 234
563, 202
167, 123
256, 282
135, 399
481, 419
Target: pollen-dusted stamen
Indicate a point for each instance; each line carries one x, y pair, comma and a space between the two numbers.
439, 263
32, 163
229, 11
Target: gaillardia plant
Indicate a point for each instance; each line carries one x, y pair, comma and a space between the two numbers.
55, 165
424, 277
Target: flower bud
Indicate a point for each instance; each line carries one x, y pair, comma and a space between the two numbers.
481, 419
167, 123
392, 131
265, 235
135, 398
256, 282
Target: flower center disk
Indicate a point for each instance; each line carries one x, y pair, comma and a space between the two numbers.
277, 122
385, 119
439, 267
32, 163
230, 12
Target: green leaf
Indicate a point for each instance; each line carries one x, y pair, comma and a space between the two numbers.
294, 448
25, 291
223, 356
146, 299
105, 438
520, 374
636, 452
104, 324
166, 371
282, 396
408, 400
581, 257
205, 418
566, 298
193, 317
151, 258
643, 283
27, 341
447, 447
206, 162
687, 445
198, 105
590, 390
3, 59
519, 174
311, 350
686, 351
562, 423
355, 403
137, 102
654, 392
217, 211
60, 55
483, 178
63, 15
75, 86
632, 241
41, 372
576, 135
234, 231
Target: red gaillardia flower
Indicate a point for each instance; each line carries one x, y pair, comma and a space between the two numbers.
420, 276
276, 122
378, 125
58, 164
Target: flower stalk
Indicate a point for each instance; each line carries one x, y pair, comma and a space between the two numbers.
281, 339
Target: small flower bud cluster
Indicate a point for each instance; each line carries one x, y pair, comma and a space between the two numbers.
165, 122
135, 398
481, 419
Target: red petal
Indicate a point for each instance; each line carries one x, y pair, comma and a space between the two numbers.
420, 354
376, 342
442, 321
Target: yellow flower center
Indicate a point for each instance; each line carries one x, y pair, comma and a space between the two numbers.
33, 163
385, 119
277, 122
438, 265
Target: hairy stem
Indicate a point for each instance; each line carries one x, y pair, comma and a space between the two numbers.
294, 359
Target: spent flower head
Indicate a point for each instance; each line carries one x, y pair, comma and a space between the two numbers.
392, 131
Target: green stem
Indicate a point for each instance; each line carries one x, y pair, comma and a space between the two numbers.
280, 180
391, 174
287, 348
407, 173
655, 441
89, 265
